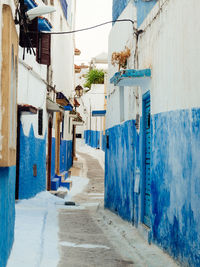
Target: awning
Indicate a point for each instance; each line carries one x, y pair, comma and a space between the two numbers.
27, 108
78, 123
131, 77
68, 107
62, 99
72, 114
78, 120
98, 113
53, 107
44, 24
30, 4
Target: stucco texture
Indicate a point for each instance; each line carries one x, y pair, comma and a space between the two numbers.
7, 212
119, 169
32, 151
175, 175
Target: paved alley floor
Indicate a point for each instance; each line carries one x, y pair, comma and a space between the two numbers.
91, 236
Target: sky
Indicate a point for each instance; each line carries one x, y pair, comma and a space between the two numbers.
95, 41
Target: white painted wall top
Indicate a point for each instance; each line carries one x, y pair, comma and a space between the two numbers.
169, 46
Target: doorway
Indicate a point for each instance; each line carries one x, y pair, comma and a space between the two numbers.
146, 159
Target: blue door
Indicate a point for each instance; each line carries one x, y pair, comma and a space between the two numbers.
146, 162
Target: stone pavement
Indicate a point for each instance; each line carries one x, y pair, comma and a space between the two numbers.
91, 236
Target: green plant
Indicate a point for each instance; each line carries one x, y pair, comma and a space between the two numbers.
94, 76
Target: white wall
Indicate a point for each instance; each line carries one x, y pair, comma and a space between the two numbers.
170, 47
93, 100
63, 50
121, 35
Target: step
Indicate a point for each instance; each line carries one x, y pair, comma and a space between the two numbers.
67, 184
55, 183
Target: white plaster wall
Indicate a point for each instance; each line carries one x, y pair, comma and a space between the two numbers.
121, 35
67, 127
170, 47
63, 50
93, 100
31, 91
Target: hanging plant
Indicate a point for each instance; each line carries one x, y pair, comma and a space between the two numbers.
120, 58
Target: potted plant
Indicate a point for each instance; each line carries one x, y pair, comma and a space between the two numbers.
120, 58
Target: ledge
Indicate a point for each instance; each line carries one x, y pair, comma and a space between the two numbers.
98, 113
131, 77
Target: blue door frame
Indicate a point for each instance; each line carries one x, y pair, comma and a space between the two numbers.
146, 164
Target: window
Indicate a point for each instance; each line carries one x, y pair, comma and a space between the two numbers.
40, 121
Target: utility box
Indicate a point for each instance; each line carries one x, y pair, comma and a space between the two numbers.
9, 80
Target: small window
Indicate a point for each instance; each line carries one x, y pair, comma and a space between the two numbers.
40, 121
44, 49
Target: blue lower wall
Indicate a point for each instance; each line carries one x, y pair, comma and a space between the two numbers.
119, 169
7, 212
32, 151
53, 157
175, 180
92, 138
65, 155
175, 174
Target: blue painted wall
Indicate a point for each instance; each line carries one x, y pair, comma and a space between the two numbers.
119, 169
32, 151
7, 212
143, 9
65, 155
103, 141
118, 7
92, 138
53, 157
175, 180
176, 184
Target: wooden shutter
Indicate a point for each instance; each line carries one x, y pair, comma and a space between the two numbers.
44, 49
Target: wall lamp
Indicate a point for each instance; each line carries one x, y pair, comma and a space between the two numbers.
39, 11
79, 90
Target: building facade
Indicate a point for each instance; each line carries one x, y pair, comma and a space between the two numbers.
45, 85
35, 87
8, 119
152, 124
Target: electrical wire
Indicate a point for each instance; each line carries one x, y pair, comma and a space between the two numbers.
92, 27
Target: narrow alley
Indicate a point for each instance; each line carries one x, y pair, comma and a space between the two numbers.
90, 236
87, 234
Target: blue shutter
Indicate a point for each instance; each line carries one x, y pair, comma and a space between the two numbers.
147, 178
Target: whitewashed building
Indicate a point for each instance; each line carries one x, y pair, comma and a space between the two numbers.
45, 84
152, 123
